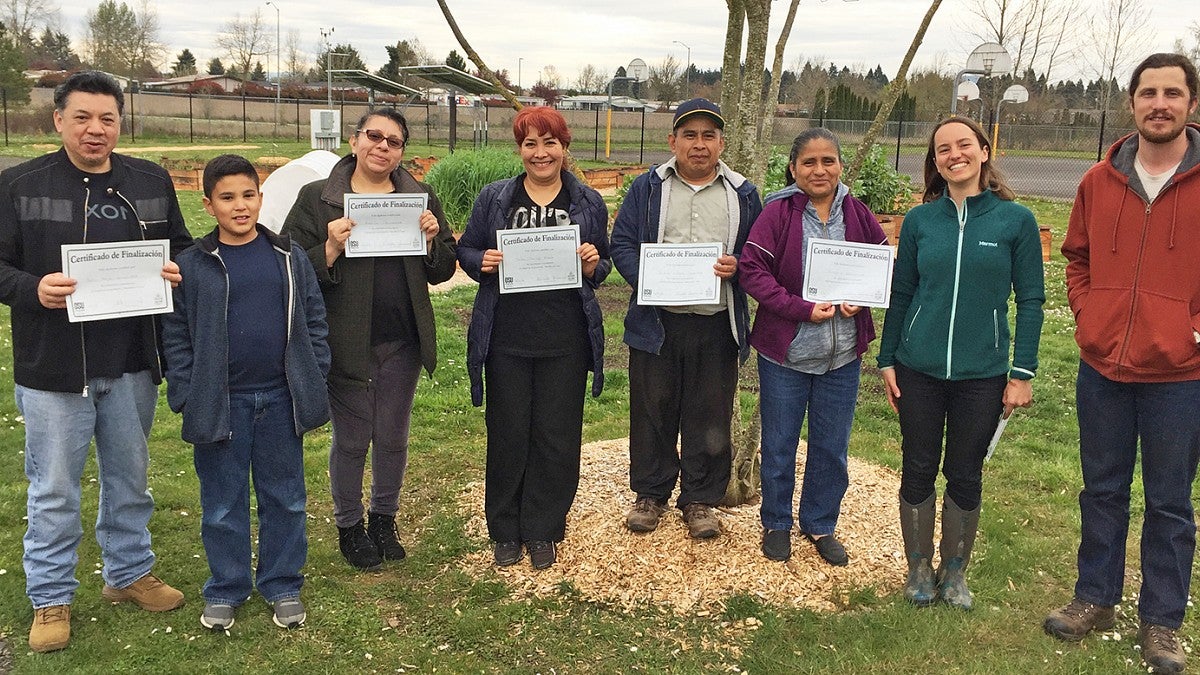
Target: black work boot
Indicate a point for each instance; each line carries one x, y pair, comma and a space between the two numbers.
916, 526
357, 547
958, 538
382, 531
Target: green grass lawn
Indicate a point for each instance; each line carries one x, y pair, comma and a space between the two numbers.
426, 615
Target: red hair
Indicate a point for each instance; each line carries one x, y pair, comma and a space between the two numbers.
544, 120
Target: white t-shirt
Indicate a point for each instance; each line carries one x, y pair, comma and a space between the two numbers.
1153, 183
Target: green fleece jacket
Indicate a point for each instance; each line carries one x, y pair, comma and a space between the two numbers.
948, 315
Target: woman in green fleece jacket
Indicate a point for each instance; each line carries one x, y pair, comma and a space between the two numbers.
944, 355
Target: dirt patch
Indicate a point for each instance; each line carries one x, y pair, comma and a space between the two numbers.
607, 563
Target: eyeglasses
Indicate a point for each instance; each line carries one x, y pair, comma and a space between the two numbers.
377, 136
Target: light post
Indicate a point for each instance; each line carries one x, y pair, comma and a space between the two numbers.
519, 60
278, 72
687, 73
328, 65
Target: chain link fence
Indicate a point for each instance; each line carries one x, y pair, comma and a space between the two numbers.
1040, 160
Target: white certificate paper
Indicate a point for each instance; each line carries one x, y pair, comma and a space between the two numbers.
679, 274
849, 272
385, 225
539, 259
117, 279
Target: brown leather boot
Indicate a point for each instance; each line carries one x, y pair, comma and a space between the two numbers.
51, 629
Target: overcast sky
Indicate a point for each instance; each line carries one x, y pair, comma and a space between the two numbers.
567, 34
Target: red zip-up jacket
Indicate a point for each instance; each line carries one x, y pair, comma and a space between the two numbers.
1133, 268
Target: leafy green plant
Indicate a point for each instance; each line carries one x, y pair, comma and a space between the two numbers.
776, 178
458, 178
879, 186
623, 190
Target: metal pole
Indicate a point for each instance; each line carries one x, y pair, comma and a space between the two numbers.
278, 72
642, 143
899, 135
1100, 140
191, 121
243, 113
596, 141
297, 119
132, 117
687, 74
4, 97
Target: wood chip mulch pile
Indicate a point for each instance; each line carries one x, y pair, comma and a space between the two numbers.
605, 562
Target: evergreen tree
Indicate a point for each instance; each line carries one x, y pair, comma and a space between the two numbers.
258, 75
215, 67
185, 64
455, 61
12, 64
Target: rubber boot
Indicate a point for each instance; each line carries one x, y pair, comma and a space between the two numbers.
916, 525
958, 537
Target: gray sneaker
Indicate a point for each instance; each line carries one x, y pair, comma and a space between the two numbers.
289, 613
217, 616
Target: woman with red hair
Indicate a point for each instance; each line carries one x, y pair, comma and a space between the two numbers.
535, 348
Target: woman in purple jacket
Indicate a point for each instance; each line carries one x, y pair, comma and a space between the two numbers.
809, 354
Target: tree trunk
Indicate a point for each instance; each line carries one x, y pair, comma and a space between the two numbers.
891, 95
732, 64
748, 113
474, 56
758, 171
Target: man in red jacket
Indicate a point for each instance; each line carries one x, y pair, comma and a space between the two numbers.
1134, 286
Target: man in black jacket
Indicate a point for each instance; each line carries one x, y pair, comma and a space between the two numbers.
79, 381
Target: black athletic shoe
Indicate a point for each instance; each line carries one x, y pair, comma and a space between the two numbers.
382, 531
358, 549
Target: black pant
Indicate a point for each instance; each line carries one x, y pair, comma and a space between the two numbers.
535, 424
966, 412
684, 393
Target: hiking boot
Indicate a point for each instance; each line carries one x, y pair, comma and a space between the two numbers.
777, 544
644, 515
701, 521
217, 616
149, 593
916, 526
830, 549
542, 554
289, 613
958, 538
358, 549
51, 629
1160, 649
1077, 619
382, 531
507, 553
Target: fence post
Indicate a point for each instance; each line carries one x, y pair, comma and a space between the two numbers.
297, 119
642, 143
191, 121
596, 141
4, 96
1100, 140
244, 113
899, 135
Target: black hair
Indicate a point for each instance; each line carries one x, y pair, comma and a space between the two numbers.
390, 113
89, 82
1167, 60
226, 165
801, 141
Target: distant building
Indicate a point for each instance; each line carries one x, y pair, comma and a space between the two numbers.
600, 102
186, 82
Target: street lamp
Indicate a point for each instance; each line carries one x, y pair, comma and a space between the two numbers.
519, 60
278, 72
328, 65
687, 74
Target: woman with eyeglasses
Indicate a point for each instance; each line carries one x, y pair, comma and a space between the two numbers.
534, 348
381, 331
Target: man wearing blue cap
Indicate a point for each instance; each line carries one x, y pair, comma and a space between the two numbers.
683, 361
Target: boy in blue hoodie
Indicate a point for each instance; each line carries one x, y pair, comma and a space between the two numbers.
246, 364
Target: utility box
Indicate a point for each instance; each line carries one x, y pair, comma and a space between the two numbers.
325, 129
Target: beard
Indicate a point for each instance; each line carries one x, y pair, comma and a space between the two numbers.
1161, 137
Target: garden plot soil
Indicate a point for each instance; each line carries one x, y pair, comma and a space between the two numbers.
606, 563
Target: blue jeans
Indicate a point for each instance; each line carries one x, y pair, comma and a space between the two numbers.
1113, 417
263, 445
59, 427
829, 399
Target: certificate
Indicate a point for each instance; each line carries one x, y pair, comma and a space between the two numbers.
847, 271
539, 259
385, 225
117, 279
679, 274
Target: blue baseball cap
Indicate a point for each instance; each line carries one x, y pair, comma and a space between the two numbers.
698, 106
